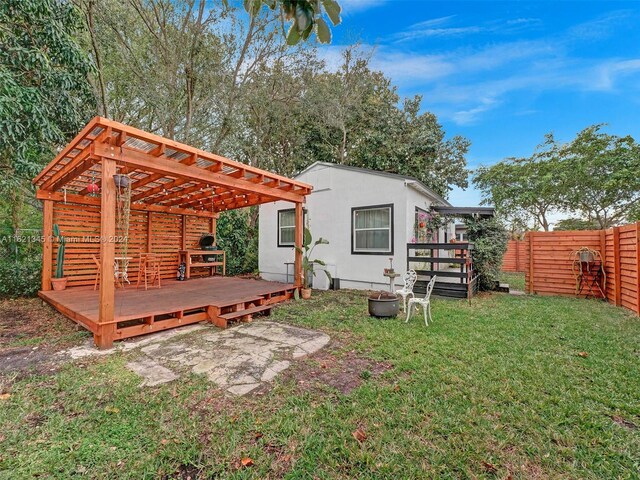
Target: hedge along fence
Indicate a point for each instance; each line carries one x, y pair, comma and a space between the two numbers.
548, 262
514, 258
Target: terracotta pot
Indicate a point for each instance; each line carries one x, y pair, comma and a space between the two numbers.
59, 283
306, 293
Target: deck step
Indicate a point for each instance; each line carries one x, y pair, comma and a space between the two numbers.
239, 301
246, 311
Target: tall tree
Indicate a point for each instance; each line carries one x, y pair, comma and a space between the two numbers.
360, 120
600, 176
524, 188
45, 94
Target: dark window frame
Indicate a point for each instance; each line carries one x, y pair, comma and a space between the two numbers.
286, 245
391, 233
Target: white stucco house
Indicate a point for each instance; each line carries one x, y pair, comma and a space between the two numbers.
368, 216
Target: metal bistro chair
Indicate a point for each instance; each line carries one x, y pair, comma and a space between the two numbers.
409, 279
149, 267
425, 303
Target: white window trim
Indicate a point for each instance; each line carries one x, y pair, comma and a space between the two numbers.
281, 227
389, 229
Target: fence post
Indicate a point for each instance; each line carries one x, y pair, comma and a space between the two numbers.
638, 268
532, 289
617, 273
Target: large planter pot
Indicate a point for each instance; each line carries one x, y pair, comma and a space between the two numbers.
59, 283
305, 293
383, 305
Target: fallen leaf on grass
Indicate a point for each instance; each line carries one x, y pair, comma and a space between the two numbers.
257, 435
164, 441
246, 462
583, 354
489, 467
111, 410
623, 422
5, 396
359, 435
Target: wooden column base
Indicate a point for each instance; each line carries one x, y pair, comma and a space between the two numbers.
103, 338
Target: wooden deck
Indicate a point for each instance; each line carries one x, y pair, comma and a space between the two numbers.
139, 311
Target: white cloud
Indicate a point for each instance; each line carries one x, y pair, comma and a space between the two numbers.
441, 27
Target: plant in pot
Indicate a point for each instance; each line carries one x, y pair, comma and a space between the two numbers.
59, 282
307, 264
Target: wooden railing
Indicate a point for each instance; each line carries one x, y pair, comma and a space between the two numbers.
450, 262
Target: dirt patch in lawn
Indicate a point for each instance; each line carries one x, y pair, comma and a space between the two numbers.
334, 367
30, 333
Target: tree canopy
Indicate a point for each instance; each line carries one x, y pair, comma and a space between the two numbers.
45, 94
593, 177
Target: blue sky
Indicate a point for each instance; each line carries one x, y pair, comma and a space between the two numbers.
505, 73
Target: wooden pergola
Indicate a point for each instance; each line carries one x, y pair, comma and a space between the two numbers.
167, 178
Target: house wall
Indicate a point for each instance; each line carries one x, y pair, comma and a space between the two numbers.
328, 212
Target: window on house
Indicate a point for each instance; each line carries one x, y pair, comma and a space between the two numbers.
286, 227
372, 229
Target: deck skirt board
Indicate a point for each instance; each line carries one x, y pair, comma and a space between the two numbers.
173, 305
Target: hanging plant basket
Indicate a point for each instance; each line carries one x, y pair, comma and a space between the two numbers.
121, 181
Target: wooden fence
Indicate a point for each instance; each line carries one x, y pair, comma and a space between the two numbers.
514, 258
546, 258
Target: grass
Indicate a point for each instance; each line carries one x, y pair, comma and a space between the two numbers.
515, 280
527, 387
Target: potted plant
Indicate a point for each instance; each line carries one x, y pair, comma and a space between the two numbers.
307, 264
59, 282
121, 181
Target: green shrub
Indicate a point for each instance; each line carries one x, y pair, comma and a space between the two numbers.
20, 278
239, 240
489, 238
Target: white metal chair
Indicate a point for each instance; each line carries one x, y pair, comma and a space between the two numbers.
409, 278
425, 303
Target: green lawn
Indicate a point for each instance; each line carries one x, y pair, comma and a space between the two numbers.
515, 280
520, 387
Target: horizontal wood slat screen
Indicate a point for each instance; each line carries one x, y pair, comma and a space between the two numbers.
547, 262
513, 260
80, 225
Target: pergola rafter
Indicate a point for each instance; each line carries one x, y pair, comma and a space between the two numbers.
159, 168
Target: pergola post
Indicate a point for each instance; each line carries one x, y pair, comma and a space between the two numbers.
299, 232
106, 331
47, 247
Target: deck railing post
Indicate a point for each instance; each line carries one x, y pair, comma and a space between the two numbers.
299, 233
106, 329
47, 246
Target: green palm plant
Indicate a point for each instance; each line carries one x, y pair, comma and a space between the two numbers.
308, 246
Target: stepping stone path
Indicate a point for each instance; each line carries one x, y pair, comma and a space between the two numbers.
238, 359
